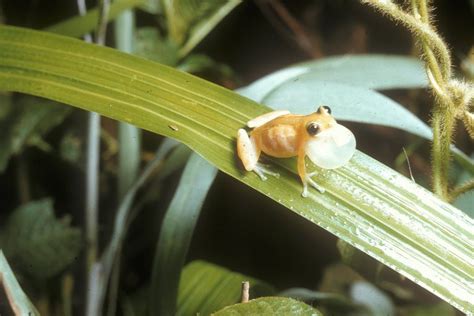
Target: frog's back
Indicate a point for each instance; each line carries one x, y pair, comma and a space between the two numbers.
279, 138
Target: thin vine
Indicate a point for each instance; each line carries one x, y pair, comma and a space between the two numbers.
453, 97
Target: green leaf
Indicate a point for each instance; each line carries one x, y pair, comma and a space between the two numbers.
150, 45
176, 233
38, 242
81, 25
189, 21
270, 306
205, 288
28, 119
366, 203
366, 71
19, 302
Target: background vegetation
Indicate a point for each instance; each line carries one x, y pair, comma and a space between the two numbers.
100, 217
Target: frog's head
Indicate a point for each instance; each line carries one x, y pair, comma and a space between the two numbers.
329, 145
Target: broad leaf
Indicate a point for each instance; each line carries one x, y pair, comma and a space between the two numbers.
27, 120
270, 306
38, 242
19, 302
205, 288
176, 232
366, 71
366, 203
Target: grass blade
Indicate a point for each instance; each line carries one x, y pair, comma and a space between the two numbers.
81, 25
366, 204
176, 233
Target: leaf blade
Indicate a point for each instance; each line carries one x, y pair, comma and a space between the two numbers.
176, 233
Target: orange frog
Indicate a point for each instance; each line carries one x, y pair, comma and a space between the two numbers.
280, 134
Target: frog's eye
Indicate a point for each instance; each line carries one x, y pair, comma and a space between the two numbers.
313, 129
332, 148
325, 107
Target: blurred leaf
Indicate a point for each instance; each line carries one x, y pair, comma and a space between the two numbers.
5, 105
150, 45
334, 303
374, 299
152, 6
197, 63
27, 121
269, 306
176, 232
70, 148
367, 204
366, 71
80, 25
465, 202
19, 302
39, 243
440, 309
189, 21
205, 288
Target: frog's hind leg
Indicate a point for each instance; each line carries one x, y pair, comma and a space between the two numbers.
249, 153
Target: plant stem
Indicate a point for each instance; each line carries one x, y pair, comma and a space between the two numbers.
461, 189
129, 146
92, 177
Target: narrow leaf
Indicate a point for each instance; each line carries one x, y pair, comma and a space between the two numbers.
81, 25
206, 288
270, 306
176, 233
366, 203
206, 25
19, 302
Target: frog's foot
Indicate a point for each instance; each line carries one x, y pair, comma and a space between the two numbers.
311, 182
262, 169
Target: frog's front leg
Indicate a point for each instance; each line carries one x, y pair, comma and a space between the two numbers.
249, 153
306, 177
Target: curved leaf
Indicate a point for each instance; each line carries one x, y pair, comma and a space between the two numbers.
176, 233
205, 288
269, 306
366, 203
367, 71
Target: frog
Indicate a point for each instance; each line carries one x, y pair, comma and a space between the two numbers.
280, 134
